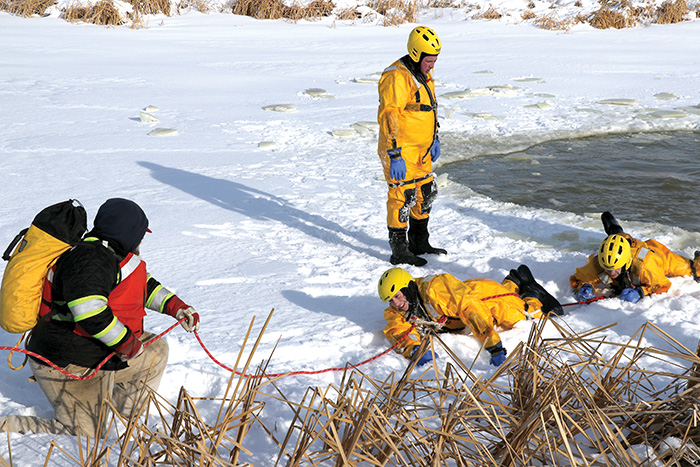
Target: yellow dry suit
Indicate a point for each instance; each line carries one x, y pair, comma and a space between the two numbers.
407, 119
652, 264
476, 303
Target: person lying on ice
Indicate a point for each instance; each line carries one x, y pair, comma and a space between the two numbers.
628, 268
474, 303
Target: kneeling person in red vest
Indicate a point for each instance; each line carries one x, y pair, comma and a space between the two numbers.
98, 294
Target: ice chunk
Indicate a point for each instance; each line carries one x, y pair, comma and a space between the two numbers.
267, 145
163, 132
148, 118
668, 114
457, 94
318, 93
281, 108
343, 133
527, 79
666, 96
539, 105
628, 102
370, 125
151, 108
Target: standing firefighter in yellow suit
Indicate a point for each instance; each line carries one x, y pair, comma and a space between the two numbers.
474, 303
628, 268
408, 145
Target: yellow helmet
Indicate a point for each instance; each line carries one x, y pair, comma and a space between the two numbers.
615, 252
391, 282
423, 40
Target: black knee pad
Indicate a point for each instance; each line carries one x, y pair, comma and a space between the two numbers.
409, 202
429, 192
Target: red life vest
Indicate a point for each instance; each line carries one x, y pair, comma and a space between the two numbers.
127, 300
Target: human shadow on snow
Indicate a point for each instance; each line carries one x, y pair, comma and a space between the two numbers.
263, 206
364, 311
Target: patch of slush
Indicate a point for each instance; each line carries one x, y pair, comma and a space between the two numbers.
528, 79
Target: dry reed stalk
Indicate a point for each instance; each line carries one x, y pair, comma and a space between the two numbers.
552, 22
490, 13
103, 13
151, 7
26, 8
574, 399
276, 9
672, 12
605, 18
396, 12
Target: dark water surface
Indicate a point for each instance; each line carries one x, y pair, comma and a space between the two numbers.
652, 177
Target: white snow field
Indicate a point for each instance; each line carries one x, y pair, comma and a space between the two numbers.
251, 145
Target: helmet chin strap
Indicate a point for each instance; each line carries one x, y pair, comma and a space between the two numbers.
415, 303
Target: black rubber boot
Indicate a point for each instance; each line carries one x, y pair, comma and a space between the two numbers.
530, 288
610, 224
399, 249
514, 277
695, 266
418, 238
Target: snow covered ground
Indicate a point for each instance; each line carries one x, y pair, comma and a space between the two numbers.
269, 194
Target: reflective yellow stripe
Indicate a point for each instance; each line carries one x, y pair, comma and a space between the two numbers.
87, 307
112, 334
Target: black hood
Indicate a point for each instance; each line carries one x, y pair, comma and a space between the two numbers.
121, 221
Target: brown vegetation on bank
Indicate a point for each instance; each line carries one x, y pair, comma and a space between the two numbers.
611, 13
567, 399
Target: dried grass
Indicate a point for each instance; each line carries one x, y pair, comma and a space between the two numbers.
103, 13
202, 6
151, 7
552, 22
348, 14
528, 15
396, 12
26, 8
568, 399
275, 9
490, 13
605, 18
672, 12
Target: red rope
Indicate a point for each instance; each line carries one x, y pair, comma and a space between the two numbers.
97, 368
273, 375
585, 302
290, 373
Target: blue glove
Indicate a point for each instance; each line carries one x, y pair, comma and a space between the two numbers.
585, 293
397, 170
498, 354
630, 295
426, 358
435, 150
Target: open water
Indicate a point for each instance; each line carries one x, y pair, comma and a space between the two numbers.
647, 177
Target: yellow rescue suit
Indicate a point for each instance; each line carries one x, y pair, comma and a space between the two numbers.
476, 303
407, 119
652, 264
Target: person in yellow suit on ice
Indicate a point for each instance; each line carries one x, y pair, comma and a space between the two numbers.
628, 268
408, 145
478, 304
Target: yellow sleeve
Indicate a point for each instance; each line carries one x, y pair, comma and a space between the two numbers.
588, 274
394, 94
652, 276
396, 327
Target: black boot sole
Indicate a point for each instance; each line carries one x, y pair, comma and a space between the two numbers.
549, 303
